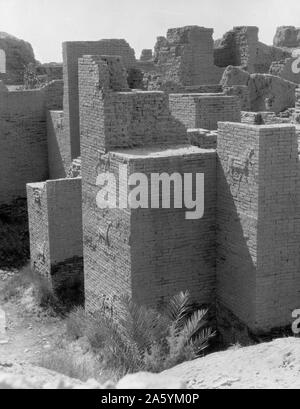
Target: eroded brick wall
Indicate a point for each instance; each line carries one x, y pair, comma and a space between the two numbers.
238, 47
186, 56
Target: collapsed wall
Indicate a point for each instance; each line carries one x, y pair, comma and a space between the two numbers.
183, 61
287, 69
18, 55
240, 47
287, 36
259, 92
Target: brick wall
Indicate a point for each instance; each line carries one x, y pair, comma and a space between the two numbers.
186, 56
121, 119
23, 138
116, 243
238, 47
204, 110
278, 237
55, 224
284, 69
257, 222
72, 51
149, 254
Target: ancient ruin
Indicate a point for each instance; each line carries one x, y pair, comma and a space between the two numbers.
228, 109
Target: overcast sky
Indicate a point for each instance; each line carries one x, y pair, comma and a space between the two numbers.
47, 23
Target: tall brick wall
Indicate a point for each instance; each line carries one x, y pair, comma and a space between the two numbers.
116, 243
204, 110
72, 51
55, 223
257, 223
278, 237
23, 138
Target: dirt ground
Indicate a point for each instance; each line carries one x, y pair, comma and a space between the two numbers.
30, 332
33, 334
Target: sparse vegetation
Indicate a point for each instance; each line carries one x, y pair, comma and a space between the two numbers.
65, 363
43, 293
144, 339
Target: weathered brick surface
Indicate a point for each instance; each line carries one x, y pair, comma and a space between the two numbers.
204, 110
39, 228
23, 138
203, 138
121, 119
55, 220
257, 221
72, 51
149, 254
242, 92
238, 47
284, 69
186, 56
122, 255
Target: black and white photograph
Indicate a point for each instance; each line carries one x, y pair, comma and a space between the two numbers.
149, 197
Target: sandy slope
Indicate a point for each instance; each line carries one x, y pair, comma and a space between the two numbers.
272, 365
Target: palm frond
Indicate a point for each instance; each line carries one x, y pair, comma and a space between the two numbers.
201, 341
194, 324
141, 325
178, 308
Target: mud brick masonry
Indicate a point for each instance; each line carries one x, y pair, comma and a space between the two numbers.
55, 215
242, 257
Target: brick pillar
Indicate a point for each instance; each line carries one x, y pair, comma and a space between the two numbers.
258, 277
147, 254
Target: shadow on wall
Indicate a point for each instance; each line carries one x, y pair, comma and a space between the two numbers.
236, 267
14, 235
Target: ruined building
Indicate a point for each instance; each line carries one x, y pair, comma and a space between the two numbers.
242, 257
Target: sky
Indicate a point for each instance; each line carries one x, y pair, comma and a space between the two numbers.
47, 23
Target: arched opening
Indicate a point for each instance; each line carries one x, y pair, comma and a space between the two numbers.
2, 62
